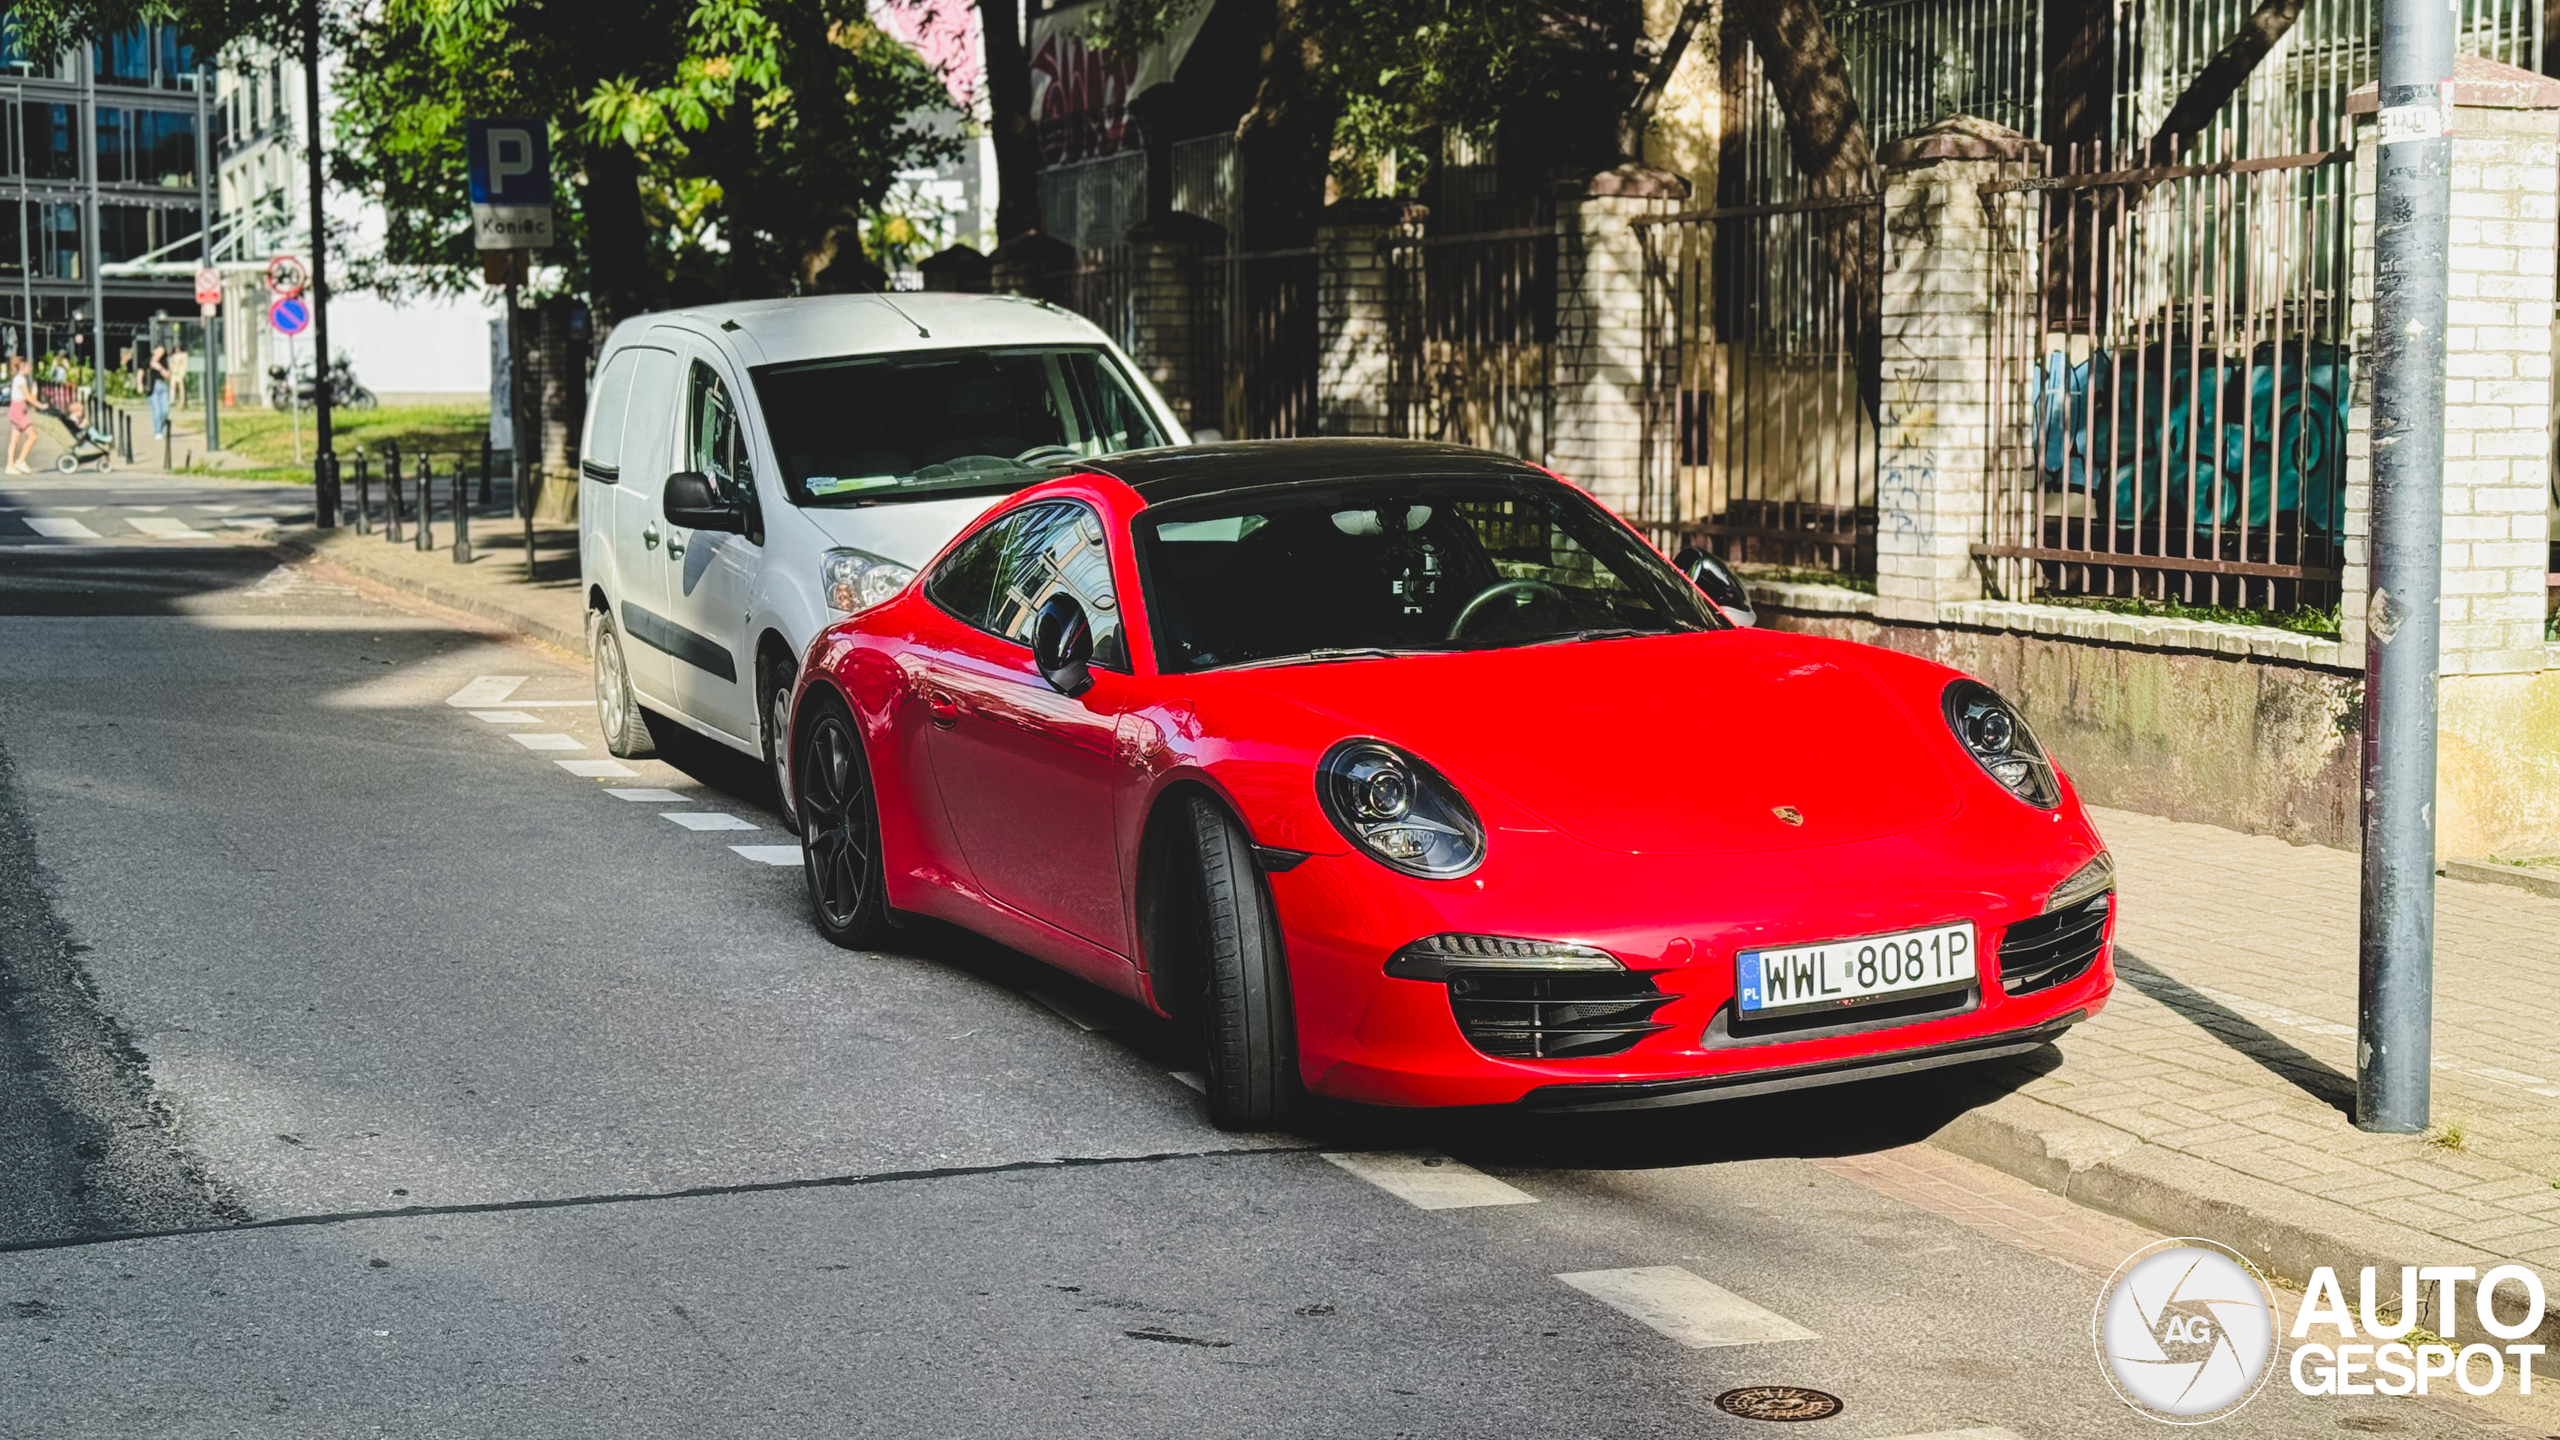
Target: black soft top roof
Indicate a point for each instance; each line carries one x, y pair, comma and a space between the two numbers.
1183, 472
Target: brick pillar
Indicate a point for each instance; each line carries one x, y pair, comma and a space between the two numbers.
2498, 348
1355, 361
1033, 265
2498, 701
1173, 300
1943, 239
1604, 351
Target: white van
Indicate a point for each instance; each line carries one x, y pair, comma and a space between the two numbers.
754, 472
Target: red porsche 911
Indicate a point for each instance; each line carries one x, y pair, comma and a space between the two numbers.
1415, 777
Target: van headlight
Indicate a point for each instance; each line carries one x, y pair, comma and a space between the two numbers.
1405, 814
855, 580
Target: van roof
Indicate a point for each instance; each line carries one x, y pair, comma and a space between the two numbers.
814, 327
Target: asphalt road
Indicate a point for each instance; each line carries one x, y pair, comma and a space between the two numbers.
373, 1066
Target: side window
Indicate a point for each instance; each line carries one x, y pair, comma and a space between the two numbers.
600, 458
964, 584
1053, 548
717, 441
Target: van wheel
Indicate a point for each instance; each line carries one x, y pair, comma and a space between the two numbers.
626, 729
1248, 1017
777, 738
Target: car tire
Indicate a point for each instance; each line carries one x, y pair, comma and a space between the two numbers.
839, 824
1248, 1018
618, 713
776, 710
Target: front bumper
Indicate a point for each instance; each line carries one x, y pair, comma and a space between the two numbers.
1676, 921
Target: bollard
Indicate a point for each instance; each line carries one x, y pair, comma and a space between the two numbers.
169, 449
487, 494
364, 494
391, 496
426, 503
324, 490
526, 510
461, 516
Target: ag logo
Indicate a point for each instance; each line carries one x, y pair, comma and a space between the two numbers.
2185, 1329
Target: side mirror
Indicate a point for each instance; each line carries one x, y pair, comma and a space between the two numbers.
1717, 582
1062, 644
691, 501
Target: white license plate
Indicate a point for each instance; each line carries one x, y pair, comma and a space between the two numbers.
1853, 972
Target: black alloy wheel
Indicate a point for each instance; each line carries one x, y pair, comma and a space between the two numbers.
839, 824
1248, 1014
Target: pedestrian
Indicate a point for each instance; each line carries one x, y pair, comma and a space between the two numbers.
22, 415
156, 377
61, 374
178, 362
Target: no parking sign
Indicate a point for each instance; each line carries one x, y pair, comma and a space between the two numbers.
290, 315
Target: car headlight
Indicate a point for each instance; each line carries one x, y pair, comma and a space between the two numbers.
1401, 811
1997, 738
855, 580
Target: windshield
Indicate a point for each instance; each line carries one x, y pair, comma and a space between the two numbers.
1399, 566
861, 430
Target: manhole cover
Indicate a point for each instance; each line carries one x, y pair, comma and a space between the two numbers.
1778, 1402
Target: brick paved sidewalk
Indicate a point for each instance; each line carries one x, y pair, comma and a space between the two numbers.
2215, 1089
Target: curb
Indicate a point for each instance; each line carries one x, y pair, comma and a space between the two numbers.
2496, 874
2284, 1232
351, 557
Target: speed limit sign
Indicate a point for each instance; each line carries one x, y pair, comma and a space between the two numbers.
287, 277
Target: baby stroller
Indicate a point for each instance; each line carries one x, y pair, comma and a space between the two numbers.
88, 443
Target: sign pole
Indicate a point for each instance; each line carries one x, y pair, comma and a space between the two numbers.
204, 233
2395, 999
324, 464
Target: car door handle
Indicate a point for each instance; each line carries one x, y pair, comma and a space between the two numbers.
944, 710
649, 537
675, 547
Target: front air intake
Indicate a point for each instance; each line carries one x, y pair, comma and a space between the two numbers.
1521, 1015
2054, 949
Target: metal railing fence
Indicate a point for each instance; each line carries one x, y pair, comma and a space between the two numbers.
1471, 324
2169, 381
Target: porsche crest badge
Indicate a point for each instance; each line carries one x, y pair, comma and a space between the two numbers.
1788, 813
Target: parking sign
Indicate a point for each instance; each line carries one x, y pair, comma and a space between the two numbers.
510, 163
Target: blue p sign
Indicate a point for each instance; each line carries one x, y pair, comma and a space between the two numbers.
510, 163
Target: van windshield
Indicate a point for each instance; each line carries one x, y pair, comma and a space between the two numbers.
874, 429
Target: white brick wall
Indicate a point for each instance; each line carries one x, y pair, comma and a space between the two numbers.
1355, 365
1602, 346
2498, 394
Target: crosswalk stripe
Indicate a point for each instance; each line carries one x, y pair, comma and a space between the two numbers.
776, 855
165, 527
1686, 1307
1428, 1180
54, 528
707, 820
650, 795
596, 769
549, 741
485, 692
502, 717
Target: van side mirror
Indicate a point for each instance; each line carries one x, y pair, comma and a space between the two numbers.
1717, 582
690, 500
1062, 644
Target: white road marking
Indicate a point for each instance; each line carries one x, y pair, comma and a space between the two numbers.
550, 741
1696, 1312
1074, 1013
250, 522
145, 509
485, 692
1192, 1078
776, 855
503, 717
655, 796
707, 820
56, 529
165, 527
217, 509
75, 509
596, 769
1430, 1181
